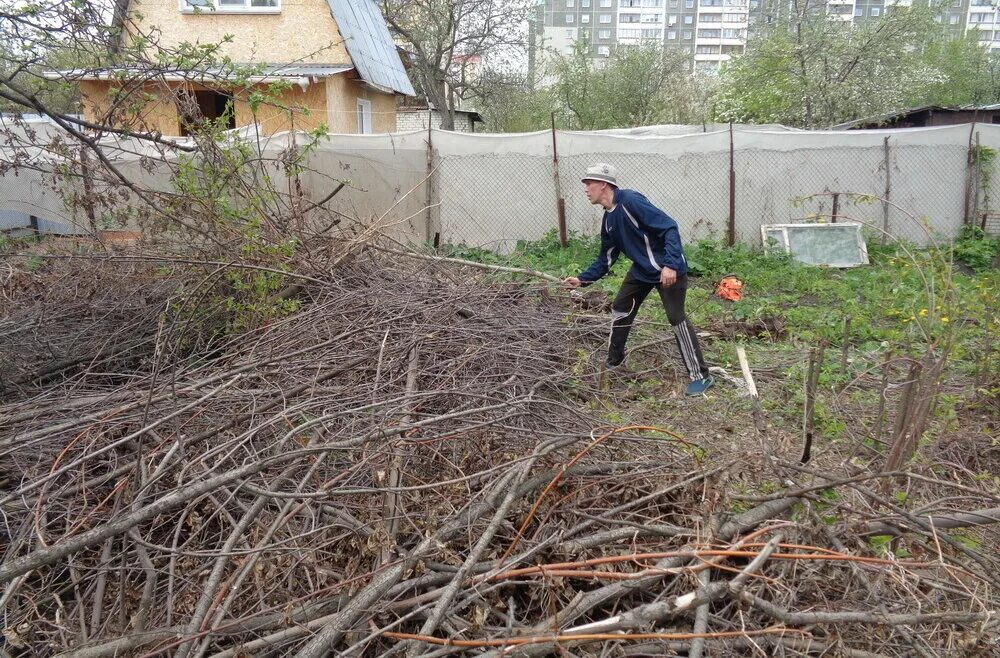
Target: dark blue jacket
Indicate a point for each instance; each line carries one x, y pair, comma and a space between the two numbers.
646, 234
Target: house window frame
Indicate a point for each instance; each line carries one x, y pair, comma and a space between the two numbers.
217, 8
364, 109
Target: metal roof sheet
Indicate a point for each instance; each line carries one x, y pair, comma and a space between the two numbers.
262, 73
370, 45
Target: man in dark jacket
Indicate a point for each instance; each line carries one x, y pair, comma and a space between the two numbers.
650, 238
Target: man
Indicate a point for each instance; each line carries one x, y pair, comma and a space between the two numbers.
650, 238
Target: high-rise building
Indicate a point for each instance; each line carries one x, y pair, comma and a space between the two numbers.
960, 17
712, 31
709, 30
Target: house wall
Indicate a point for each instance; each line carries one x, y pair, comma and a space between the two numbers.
304, 31
276, 119
342, 94
159, 114
955, 117
406, 121
332, 101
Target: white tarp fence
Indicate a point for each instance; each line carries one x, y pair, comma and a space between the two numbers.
492, 190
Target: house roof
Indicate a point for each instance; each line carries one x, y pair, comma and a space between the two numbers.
891, 116
370, 45
296, 73
366, 36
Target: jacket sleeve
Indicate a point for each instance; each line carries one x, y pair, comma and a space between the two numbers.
605, 259
660, 225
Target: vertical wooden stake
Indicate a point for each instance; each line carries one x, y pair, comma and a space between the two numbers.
883, 391
846, 345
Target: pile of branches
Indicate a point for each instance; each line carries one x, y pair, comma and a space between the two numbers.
415, 463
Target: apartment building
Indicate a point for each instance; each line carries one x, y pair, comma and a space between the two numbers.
961, 17
713, 31
710, 30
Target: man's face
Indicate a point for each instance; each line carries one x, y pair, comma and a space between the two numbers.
594, 189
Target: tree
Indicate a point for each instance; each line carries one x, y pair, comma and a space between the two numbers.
447, 42
816, 70
966, 73
508, 103
634, 87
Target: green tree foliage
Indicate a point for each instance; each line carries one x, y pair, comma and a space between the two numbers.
964, 72
814, 70
634, 87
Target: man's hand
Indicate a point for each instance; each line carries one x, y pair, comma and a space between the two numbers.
668, 277
571, 282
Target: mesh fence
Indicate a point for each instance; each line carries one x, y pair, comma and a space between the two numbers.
916, 185
491, 191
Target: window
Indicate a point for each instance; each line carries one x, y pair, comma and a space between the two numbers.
236, 6
584, 3
196, 107
605, 3
585, 18
689, 20
570, 33
709, 34
688, 34
604, 34
364, 117
603, 51
707, 50
835, 245
671, 34
859, 11
875, 11
628, 18
672, 19
730, 18
570, 18
570, 3
689, 4
953, 19
605, 19
673, 4
733, 34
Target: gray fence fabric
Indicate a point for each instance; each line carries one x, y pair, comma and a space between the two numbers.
493, 190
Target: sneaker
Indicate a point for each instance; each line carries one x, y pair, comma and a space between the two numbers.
699, 386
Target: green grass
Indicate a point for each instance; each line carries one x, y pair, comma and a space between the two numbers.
907, 301
888, 300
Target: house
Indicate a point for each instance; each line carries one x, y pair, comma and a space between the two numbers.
416, 117
335, 56
926, 116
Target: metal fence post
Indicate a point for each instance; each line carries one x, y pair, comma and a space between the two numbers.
731, 234
560, 201
429, 185
969, 173
836, 208
976, 181
888, 190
